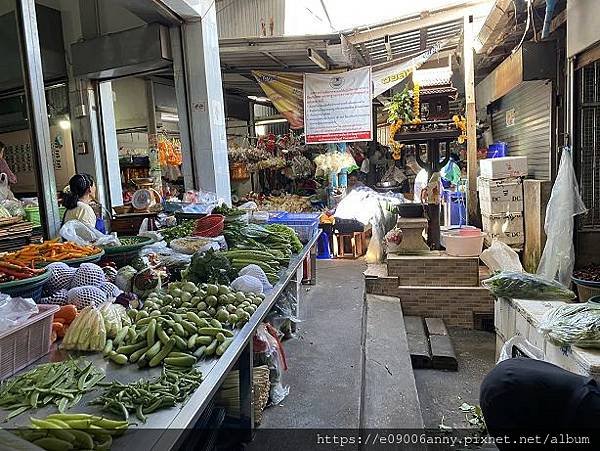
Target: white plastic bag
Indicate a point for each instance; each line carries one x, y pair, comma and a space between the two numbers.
247, 284
15, 311
5, 192
501, 257
558, 258
79, 233
523, 345
259, 273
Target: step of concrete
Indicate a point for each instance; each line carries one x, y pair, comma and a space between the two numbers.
418, 343
377, 280
390, 398
443, 356
436, 326
438, 269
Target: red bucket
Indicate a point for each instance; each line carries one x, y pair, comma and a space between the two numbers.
210, 226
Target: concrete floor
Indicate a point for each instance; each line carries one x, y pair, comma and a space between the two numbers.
325, 361
441, 393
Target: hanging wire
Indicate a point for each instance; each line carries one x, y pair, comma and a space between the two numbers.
527, 25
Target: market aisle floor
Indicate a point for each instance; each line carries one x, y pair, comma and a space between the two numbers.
324, 361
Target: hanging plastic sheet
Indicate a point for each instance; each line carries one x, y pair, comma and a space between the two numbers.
558, 258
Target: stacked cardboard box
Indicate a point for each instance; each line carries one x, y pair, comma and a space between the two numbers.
500, 189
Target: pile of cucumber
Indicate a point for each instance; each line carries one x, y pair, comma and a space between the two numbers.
180, 325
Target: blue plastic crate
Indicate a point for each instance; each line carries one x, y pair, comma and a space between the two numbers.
497, 150
304, 224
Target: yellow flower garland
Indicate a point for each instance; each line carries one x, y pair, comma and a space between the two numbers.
416, 104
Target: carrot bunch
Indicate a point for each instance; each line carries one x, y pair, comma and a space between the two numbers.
47, 252
11, 271
62, 320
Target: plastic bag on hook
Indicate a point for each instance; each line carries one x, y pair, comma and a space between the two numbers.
558, 258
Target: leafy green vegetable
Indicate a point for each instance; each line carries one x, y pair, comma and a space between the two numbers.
209, 267
287, 233
227, 211
522, 285
186, 228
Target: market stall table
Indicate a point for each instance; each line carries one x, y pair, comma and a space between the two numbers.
169, 428
522, 317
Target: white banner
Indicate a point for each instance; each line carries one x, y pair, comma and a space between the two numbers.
389, 77
338, 107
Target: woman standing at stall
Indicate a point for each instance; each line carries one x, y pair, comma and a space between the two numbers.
77, 199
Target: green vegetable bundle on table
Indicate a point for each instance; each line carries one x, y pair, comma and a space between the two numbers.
64, 432
143, 397
254, 236
522, 285
179, 326
61, 383
573, 325
186, 228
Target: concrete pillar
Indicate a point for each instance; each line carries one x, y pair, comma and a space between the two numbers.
111, 147
36, 99
205, 105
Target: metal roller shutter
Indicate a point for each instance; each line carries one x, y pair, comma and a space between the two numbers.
530, 135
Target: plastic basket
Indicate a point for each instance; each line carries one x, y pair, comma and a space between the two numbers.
210, 226
497, 150
586, 289
32, 214
22, 345
304, 224
26, 288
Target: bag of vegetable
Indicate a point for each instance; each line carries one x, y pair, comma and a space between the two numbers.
522, 285
269, 351
573, 324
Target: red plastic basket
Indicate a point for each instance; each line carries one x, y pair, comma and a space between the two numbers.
210, 226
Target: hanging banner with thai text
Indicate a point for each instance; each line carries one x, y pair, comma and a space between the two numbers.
338, 107
389, 77
284, 90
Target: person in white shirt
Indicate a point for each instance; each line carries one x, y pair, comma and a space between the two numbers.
77, 200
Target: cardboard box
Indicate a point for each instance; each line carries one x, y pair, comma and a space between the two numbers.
502, 168
500, 196
506, 227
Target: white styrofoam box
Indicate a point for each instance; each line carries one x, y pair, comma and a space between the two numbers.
502, 168
507, 227
581, 361
500, 196
504, 317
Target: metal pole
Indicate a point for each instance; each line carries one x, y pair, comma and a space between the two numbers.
31, 60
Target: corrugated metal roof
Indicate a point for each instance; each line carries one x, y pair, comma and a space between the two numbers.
236, 19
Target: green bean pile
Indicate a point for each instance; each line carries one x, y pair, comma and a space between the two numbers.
143, 397
61, 383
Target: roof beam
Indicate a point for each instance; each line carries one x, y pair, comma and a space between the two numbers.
424, 20
354, 56
275, 59
318, 59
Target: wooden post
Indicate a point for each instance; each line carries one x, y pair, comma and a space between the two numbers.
470, 114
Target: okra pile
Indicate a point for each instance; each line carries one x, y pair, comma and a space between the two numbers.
143, 397
179, 326
61, 383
